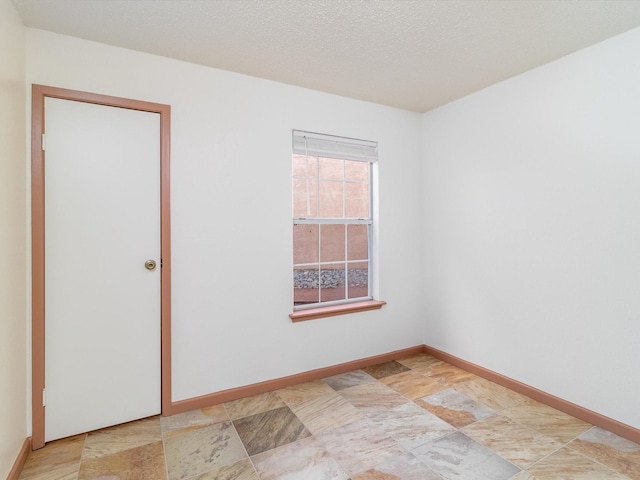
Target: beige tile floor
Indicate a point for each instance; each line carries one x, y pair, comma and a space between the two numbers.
415, 418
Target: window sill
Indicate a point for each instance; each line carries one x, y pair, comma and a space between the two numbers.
322, 312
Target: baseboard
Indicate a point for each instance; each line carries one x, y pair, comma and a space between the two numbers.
289, 381
565, 406
15, 471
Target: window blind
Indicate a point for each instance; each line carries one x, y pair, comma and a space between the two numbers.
319, 145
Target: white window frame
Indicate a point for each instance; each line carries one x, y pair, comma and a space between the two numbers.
342, 148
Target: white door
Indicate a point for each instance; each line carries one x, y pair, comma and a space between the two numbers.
102, 305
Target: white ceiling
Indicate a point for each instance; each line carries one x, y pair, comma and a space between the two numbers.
411, 54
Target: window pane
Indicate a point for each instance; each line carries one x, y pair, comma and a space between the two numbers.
332, 243
331, 199
358, 279
332, 282
305, 243
305, 285
357, 242
331, 169
358, 171
305, 166
305, 198
357, 200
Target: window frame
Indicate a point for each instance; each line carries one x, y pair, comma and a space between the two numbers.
345, 305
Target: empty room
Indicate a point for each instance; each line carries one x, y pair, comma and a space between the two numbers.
317, 240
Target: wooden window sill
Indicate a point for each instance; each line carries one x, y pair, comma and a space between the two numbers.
322, 312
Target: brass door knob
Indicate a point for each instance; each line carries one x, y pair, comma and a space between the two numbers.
150, 265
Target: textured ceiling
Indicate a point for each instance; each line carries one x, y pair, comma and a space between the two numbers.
411, 54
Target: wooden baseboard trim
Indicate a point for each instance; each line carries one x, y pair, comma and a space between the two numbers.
15, 471
291, 380
558, 403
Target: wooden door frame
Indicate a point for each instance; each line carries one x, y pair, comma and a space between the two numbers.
39, 94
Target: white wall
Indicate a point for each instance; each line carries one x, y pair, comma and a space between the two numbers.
231, 212
13, 374
532, 228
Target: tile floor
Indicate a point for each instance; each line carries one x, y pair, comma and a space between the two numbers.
415, 418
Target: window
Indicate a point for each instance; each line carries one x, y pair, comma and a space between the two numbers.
332, 220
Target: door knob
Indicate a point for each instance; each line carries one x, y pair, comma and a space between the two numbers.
150, 265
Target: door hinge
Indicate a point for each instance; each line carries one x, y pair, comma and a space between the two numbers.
44, 142
44, 398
